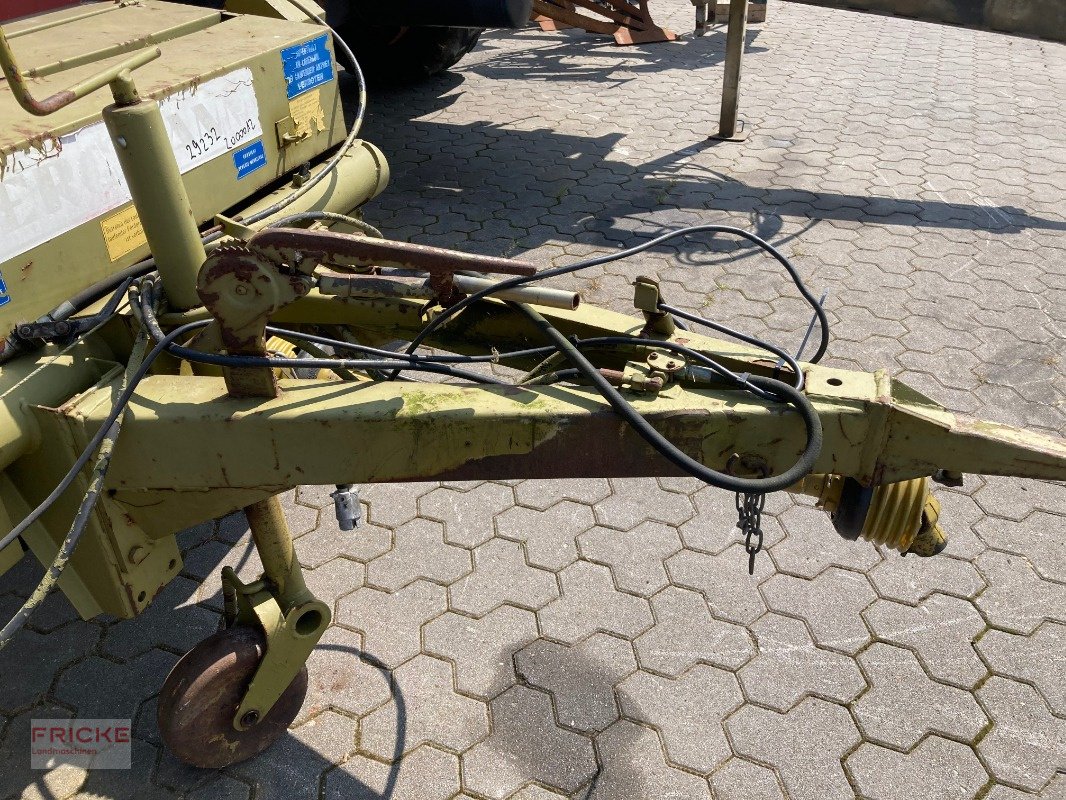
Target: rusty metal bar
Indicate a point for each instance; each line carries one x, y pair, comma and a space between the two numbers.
280, 244
49, 105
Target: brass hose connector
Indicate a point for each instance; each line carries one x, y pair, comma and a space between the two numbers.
902, 515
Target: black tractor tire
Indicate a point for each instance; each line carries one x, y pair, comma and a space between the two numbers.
397, 56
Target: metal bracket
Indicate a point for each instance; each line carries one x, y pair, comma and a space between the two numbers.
646, 298
290, 637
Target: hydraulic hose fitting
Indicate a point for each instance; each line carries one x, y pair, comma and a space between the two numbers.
901, 515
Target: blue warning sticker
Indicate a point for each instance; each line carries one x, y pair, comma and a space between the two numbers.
4, 297
307, 65
248, 159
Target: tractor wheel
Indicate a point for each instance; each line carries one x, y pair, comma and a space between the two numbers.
203, 691
397, 56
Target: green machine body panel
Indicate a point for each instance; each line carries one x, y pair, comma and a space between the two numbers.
245, 100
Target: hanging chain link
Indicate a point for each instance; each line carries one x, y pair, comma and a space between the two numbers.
749, 511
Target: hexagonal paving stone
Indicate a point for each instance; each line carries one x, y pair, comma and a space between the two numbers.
904, 704
481, 649
911, 580
590, 603
787, 667
1038, 538
548, 535
941, 630
937, 768
425, 774
685, 634
1017, 598
742, 780
391, 623
1039, 659
543, 494
638, 500
805, 745
687, 711
467, 516
635, 557
526, 745
393, 504
731, 592
633, 766
581, 678
812, 545
419, 551
339, 678
830, 604
432, 712
298, 759
501, 575
1026, 745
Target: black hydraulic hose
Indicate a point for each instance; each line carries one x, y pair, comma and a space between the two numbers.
520, 280
803, 466
97, 291
216, 359
415, 359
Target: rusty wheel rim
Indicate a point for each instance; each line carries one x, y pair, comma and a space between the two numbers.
202, 692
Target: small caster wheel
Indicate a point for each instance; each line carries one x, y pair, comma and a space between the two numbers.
202, 692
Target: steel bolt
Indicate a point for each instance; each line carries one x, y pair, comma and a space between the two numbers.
250, 719
240, 288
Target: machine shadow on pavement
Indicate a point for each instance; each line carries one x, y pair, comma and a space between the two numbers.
574, 188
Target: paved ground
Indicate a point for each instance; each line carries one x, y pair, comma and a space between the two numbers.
601, 639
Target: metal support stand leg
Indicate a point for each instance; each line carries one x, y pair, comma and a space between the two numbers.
734, 55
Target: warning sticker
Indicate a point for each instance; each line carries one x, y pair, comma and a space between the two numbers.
122, 233
308, 115
248, 159
307, 65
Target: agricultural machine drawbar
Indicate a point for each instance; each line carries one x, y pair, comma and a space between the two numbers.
247, 359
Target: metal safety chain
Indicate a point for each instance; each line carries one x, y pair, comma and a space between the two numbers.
749, 520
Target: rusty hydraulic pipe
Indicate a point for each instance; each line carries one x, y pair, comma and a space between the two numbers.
282, 244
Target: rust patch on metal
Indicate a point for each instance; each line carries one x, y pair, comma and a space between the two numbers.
366, 251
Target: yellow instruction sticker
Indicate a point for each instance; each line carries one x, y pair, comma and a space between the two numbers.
122, 233
308, 115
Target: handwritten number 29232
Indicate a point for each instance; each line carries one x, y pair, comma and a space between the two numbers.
197, 147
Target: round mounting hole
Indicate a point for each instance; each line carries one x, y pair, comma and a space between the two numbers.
835, 382
173, 563
141, 596
308, 622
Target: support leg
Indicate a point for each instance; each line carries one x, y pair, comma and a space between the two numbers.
734, 55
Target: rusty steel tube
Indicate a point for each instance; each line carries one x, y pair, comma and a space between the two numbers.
364, 251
